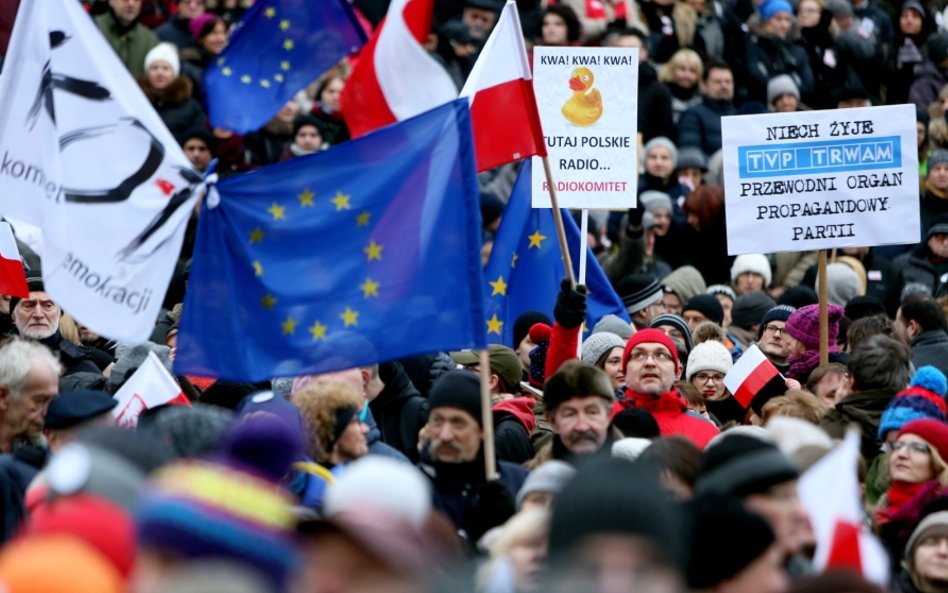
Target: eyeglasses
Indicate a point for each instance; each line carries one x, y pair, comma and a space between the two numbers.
772, 329
705, 377
912, 447
657, 356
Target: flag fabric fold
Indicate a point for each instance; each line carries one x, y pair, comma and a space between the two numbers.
149, 387
752, 376
503, 107
84, 156
277, 49
395, 78
526, 266
367, 252
12, 274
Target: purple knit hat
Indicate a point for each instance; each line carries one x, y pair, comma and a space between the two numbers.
804, 325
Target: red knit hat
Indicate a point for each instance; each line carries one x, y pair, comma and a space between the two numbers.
644, 336
933, 432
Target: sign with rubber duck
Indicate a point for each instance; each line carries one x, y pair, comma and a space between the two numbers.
588, 101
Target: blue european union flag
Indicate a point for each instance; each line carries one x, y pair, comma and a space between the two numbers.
367, 252
278, 48
526, 266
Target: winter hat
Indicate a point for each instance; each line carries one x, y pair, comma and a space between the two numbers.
34, 282
690, 157
679, 323
636, 423
842, 283
914, 5
798, 296
189, 432
655, 201
781, 85
741, 465
638, 291
804, 325
863, 306
307, 120
792, 435
663, 142
615, 496
596, 345
76, 407
933, 524
840, 8
939, 156
771, 8
939, 226
630, 448
565, 386
397, 491
938, 52
524, 322
706, 304
56, 563
708, 356
502, 360
229, 507
166, 52
128, 358
685, 282
778, 313
550, 476
752, 262
712, 563
923, 398
539, 335
750, 308
457, 389
933, 432
722, 289
616, 325
202, 25
207, 137
649, 335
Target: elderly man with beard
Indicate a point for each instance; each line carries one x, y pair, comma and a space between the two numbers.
453, 459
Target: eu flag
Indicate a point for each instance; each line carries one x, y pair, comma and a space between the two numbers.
367, 252
278, 48
526, 266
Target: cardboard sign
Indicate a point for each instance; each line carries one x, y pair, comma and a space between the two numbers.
588, 102
821, 179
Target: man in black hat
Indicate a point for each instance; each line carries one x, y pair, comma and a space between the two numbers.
642, 296
73, 411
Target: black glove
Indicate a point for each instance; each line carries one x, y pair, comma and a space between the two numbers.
495, 504
570, 308
635, 217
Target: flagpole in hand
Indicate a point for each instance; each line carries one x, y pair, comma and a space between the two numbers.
487, 419
558, 217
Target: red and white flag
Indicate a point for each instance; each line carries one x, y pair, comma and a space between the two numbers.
503, 107
395, 78
149, 387
750, 375
12, 275
829, 491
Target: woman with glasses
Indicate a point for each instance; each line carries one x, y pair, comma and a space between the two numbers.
919, 472
708, 362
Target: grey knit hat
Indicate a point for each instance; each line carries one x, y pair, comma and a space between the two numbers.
598, 344
938, 156
691, 157
549, 476
779, 86
615, 325
653, 200
663, 142
678, 322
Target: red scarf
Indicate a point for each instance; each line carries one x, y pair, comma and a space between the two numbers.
900, 493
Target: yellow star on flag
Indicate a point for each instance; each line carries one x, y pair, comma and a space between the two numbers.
306, 198
285, 65
318, 330
513, 261
278, 77
256, 236
265, 83
349, 317
369, 288
284, 25
270, 12
220, 61
363, 219
288, 45
373, 251
268, 301
257, 269
536, 239
277, 211
246, 79
499, 286
289, 326
341, 201
226, 71
494, 325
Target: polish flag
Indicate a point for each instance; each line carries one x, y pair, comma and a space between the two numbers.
750, 375
149, 387
12, 275
395, 78
829, 492
503, 107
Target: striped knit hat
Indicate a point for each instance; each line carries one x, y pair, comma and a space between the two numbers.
229, 507
923, 398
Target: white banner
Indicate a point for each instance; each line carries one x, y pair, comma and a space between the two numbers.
84, 156
588, 103
821, 179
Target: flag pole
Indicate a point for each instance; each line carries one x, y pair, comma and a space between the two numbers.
487, 419
583, 239
558, 217
824, 315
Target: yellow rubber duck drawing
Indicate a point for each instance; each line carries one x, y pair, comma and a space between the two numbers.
584, 108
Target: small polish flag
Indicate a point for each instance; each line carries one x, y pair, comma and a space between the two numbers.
12, 275
750, 375
504, 112
149, 387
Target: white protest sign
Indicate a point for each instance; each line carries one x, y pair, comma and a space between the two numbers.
821, 179
588, 101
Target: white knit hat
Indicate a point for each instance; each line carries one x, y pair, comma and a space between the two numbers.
708, 356
598, 344
752, 262
166, 52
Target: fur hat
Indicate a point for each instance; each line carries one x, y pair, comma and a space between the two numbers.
752, 262
596, 345
781, 85
166, 52
804, 324
923, 398
708, 356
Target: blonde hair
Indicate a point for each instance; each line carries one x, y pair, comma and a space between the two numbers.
69, 329
683, 57
796, 403
500, 541
318, 404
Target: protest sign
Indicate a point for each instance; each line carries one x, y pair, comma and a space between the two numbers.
588, 102
821, 179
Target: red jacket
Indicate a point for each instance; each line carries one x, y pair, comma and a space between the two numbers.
670, 412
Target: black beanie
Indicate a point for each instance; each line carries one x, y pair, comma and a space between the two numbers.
636, 422
799, 296
741, 465
863, 306
524, 322
708, 305
750, 308
710, 562
457, 389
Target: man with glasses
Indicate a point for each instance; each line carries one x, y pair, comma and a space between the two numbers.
651, 367
770, 337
